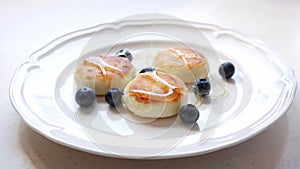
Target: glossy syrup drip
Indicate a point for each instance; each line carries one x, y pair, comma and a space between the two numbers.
100, 64
222, 86
160, 80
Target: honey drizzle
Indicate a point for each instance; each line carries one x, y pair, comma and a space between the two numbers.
158, 79
183, 56
101, 64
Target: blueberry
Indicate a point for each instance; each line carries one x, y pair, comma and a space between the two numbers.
124, 53
147, 69
114, 97
189, 113
85, 97
201, 87
226, 70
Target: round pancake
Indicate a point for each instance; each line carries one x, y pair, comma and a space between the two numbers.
184, 63
155, 94
104, 72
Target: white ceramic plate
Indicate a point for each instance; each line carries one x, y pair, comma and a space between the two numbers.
263, 87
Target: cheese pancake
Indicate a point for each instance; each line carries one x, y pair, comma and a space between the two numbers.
155, 94
104, 72
184, 63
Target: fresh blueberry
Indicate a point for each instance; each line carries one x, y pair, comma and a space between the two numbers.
226, 70
189, 113
124, 53
201, 87
147, 69
114, 97
85, 97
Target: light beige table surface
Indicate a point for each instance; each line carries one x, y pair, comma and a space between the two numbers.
27, 25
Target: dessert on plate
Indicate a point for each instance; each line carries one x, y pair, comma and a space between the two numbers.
184, 63
104, 72
155, 94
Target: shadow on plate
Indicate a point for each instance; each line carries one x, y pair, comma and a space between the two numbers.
262, 151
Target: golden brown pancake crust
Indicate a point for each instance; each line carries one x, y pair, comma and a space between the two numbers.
106, 70
188, 57
168, 90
